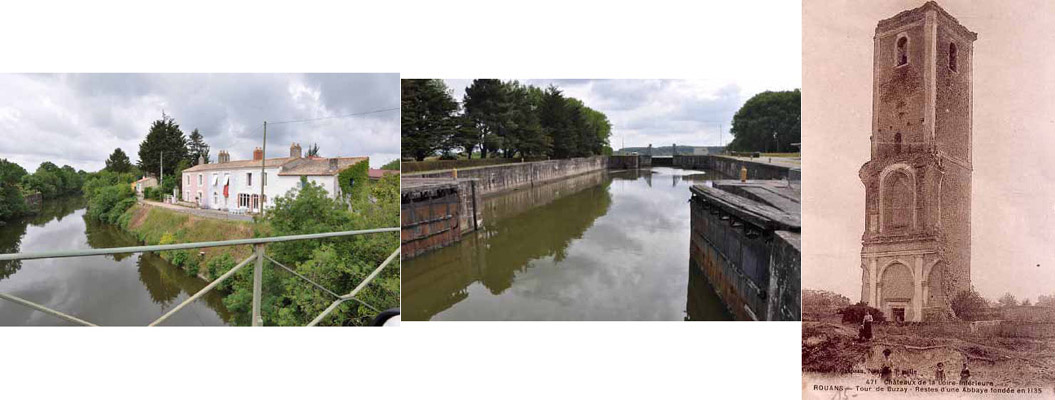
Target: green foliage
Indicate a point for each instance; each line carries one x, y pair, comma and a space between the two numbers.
196, 148
968, 303
12, 203
338, 264
500, 119
354, 180
51, 181
118, 162
165, 140
769, 121
219, 265
391, 165
109, 202
313, 151
427, 116
856, 313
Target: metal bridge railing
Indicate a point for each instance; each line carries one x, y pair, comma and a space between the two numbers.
257, 258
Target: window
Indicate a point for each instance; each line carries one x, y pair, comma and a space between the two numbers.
264, 179
952, 56
243, 200
215, 198
186, 179
215, 179
199, 179
186, 196
902, 50
898, 202
897, 143
249, 179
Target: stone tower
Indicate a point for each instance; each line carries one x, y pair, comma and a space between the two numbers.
916, 248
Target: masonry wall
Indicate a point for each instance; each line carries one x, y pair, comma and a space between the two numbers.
624, 162
500, 178
731, 167
756, 275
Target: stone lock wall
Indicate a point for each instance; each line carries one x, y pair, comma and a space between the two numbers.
500, 178
754, 270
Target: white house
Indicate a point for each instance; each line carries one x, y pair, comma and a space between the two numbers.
229, 185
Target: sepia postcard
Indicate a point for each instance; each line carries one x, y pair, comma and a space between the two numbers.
928, 266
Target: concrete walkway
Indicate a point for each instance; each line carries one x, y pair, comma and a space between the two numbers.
789, 162
214, 214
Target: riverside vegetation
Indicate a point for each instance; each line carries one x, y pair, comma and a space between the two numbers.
337, 264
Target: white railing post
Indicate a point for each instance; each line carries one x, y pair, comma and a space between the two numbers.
258, 282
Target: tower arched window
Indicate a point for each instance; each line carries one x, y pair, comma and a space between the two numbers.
902, 51
898, 201
952, 56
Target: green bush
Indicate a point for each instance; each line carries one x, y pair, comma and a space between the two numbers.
191, 263
179, 257
220, 265
109, 202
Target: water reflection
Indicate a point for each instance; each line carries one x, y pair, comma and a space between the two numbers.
604, 246
124, 289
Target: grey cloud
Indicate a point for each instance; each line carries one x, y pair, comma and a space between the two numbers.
81, 118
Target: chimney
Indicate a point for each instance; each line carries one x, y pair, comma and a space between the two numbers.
258, 154
333, 164
221, 157
294, 151
201, 159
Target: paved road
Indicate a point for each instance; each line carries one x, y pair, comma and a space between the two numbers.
214, 214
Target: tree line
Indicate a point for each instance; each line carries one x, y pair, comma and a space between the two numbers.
498, 119
768, 122
49, 180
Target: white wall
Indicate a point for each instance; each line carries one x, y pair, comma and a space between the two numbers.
276, 186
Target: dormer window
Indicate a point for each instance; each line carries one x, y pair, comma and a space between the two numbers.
952, 56
902, 50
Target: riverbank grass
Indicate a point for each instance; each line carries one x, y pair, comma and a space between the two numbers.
159, 226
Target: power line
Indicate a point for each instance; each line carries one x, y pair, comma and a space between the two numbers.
336, 116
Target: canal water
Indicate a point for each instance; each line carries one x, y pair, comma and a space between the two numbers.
124, 289
609, 245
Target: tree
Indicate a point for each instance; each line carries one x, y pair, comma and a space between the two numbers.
118, 162
313, 151
391, 165
197, 147
165, 141
556, 122
1046, 301
12, 204
769, 121
427, 117
1007, 300
968, 303
486, 103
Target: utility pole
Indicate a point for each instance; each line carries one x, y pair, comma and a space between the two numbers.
162, 165
263, 162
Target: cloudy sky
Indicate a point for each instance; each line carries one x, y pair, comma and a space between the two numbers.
1013, 200
664, 112
79, 119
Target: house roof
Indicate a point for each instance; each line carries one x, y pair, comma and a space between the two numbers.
318, 166
270, 162
304, 166
146, 178
379, 173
